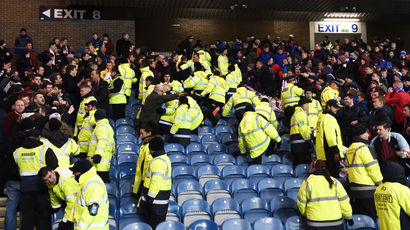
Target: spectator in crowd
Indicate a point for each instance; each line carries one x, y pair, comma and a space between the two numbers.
123, 45
13, 117
95, 40
397, 97
185, 47
22, 39
406, 126
380, 112
108, 44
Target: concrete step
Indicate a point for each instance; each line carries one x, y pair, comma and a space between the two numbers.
3, 201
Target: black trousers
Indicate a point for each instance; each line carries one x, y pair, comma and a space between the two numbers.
208, 109
338, 227
35, 208
118, 111
105, 176
289, 111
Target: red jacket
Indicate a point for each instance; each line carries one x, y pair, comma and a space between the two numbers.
398, 100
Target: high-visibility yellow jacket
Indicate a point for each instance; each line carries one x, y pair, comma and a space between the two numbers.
63, 153
299, 123
118, 97
182, 119
86, 132
190, 64
238, 74
390, 200
148, 91
196, 113
328, 127
223, 64
30, 161
145, 72
290, 95
168, 117
216, 89
176, 86
92, 190
254, 134
65, 189
198, 82
144, 159
158, 178
102, 143
328, 94
205, 60
128, 76
320, 203
267, 112
231, 81
314, 111
362, 168
81, 113
102, 75
242, 95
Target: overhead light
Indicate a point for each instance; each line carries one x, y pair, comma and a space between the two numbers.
341, 19
343, 15
244, 6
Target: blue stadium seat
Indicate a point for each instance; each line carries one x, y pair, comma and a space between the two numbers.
282, 172
268, 223
126, 170
127, 149
228, 138
207, 172
170, 225
362, 222
136, 226
291, 187
113, 207
194, 148
126, 188
55, 217
222, 122
257, 172
224, 209
113, 180
254, 208
222, 160
127, 159
242, 161
112, 223
207, 122
112, 190
271, 160
173, 211
219, 129
269, 188
232, 172
113, 171
216, 149
233, 148
287, 159
128, 198
206, 129
188, 189
195, 138
232, 122
283, 207
125, 129
178, 160
199, 160
195, 209
215, 189
295, 223
302, 170
112, 123
236, 224
210, 139
123, 121
180, 173
128, 208
203, 225
174, 147
242, 189
126, 139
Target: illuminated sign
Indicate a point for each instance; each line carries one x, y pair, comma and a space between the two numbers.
338, 27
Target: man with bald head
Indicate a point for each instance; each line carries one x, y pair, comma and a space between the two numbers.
152, 110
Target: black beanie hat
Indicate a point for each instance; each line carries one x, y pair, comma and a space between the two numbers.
81, 166
100, 114
26, 124
393, 172
156, 144
304, 100
54, 124
358, 130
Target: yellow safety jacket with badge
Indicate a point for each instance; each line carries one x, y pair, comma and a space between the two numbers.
102, 143
215, 89
314, 111
267, 112
231, 81
392, 201
196, 113
119, 97
65, 189
81, 113
254, 134
205, 59
328, 94
299, 125
242, 95
128, 76
238, 74
223, 64
145, 72
197, 82
190, 64
158, 179
86, 132
328, 127
92, 190
144, 159
168, 117
290, 95
70, 148
30, 161
182, 119
176, 86
323, 206
362, 168
148, 90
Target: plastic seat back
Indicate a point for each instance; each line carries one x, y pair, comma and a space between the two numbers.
268, 223
216, 148
257, 172
170, 225
199, 160
178, 160
283, 208
208, 172
127, 159
302, 170
362, 222
271, 160
269, 188
232, 172
236, 224
203, 225
295, 223
174, 147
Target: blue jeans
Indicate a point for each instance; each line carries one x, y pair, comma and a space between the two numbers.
13, 201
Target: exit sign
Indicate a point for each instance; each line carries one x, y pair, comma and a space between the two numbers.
338, 27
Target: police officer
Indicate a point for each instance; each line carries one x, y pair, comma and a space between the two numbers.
239, 100
62, 188
145, 72
167, 112
256, 135
392, 199
29, 158
290, 96
232, 81
127, 74
329, 145
363, 171
198, 82
314, 111
331, 92
157, 184
267, 112
181, 129
216, 98
196, 115
223, 62
117, 97
323, 200
102, 145
86, 129
86, 94
91, 207
300, 141
175, 85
